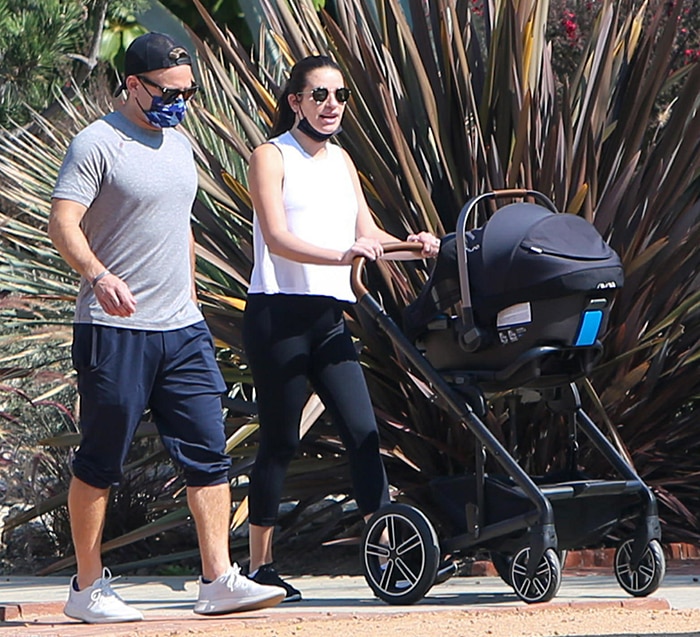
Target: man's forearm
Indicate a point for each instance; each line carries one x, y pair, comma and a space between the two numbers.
70, 241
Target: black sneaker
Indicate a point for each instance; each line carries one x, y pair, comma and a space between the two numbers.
267, 574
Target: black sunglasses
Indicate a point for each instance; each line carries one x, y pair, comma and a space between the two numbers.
320, 94
169, 95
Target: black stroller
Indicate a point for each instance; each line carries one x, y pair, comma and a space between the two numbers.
514, 307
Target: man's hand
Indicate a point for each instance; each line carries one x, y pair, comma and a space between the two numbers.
114, 296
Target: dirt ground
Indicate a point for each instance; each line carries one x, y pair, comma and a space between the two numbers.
527, 622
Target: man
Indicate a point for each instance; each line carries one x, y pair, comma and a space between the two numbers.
120, 217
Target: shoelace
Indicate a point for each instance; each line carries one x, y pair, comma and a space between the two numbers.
232, 576
104, 589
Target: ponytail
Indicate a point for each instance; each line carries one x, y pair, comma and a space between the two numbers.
284, 115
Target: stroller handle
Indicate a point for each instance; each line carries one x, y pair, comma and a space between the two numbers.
358, 264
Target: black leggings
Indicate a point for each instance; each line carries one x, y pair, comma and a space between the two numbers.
290, 340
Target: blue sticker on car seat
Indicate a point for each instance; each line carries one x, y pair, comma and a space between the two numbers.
590, 325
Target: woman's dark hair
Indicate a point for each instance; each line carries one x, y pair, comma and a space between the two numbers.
284, 115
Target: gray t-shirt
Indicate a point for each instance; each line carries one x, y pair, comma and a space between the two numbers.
139, 186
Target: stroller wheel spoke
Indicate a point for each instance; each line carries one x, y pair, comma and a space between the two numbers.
625, 571
542, 570
519, 569
409, 544
645, 572
377, 550
387, 574
391, 531
410, 576
539, 586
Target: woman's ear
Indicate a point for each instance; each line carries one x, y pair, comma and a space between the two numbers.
293, 101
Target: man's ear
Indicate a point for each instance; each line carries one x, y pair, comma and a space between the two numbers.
131, 83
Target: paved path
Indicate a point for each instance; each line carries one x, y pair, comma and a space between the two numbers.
32, 607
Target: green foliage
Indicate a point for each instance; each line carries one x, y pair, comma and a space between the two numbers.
43, 48
226, 13
120, 29
36, 37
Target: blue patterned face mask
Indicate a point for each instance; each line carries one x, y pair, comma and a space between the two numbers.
166, 115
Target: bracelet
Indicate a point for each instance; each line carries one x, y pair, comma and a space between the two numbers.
101, 275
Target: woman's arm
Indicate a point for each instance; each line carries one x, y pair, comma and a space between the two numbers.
367, 228
265, 177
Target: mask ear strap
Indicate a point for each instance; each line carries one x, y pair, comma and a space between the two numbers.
299, 114
136, 99
293, 97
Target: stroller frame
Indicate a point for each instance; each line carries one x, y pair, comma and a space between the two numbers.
400, 550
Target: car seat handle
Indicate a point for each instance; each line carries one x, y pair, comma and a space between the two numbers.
471, 337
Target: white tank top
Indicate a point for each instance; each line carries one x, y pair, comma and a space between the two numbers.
321, 208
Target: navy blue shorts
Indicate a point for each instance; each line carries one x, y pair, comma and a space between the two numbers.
123, 372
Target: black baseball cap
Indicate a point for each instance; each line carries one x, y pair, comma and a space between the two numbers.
150, 52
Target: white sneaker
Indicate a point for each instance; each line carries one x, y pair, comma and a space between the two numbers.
234, 592
99, 604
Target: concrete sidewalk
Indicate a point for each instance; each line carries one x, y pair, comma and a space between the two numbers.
35, 601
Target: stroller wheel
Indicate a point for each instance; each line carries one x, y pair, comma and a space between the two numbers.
646, 577
544, 584
400, 554
502, 561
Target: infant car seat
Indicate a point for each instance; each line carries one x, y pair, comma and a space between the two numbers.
540, 284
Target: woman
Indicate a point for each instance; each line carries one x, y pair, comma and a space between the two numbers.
311, 220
